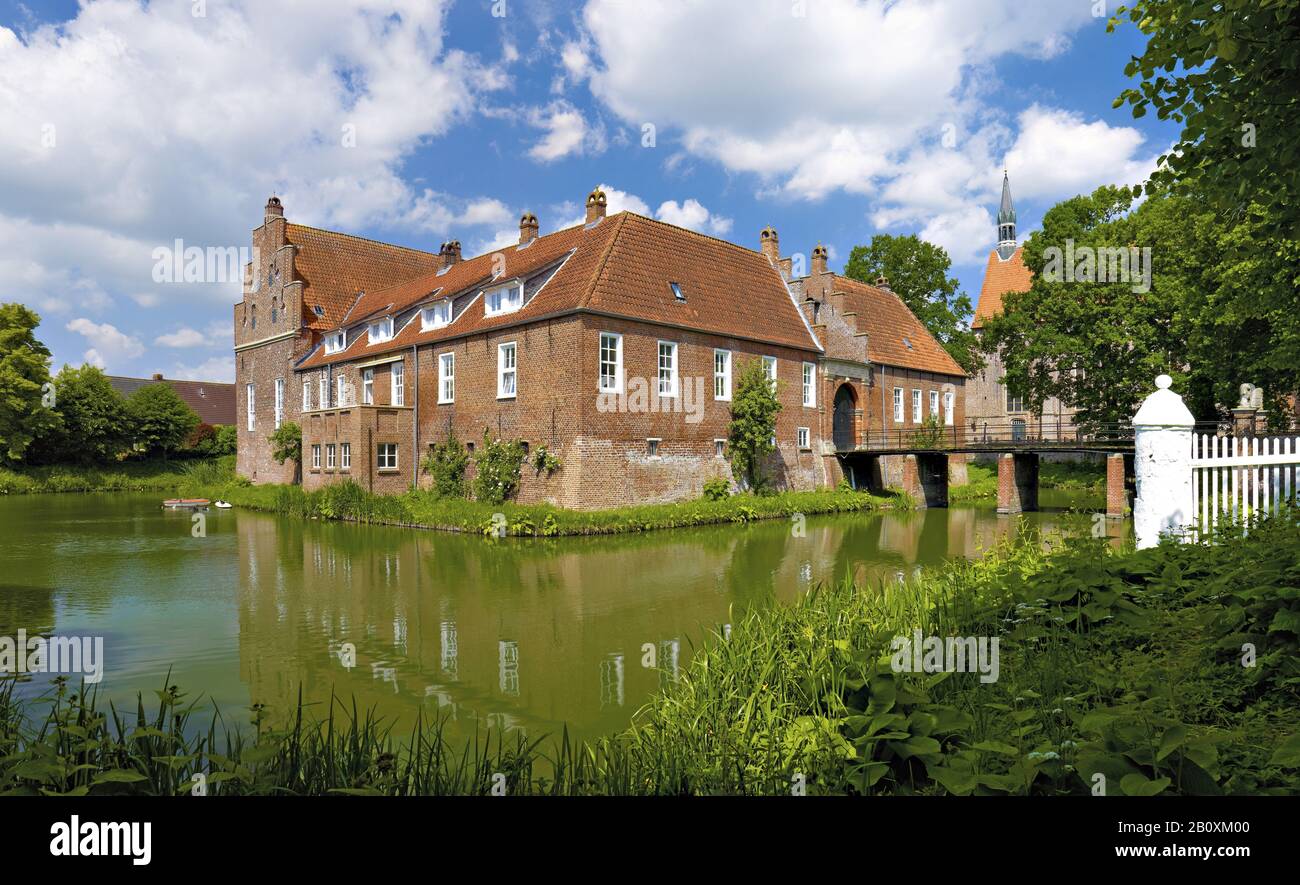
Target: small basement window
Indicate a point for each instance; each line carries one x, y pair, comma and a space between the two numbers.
652, 448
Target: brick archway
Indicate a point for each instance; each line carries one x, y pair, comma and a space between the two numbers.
844, 417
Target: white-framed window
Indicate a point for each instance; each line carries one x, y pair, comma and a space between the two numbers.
336, 341
934, 404
306, 396
722, 374
386, 456
769, 366
398, 379
341, 395
916, 406
949, 401
279, 402
652, 447
803, 437
898, 405
1015, 403
435, 316
367, 386
381, 330
611, 362
315, 457
330, 452
719, 448
507, 370
252, 408
810, 385
447, 378
667, 368
324, 391
506, 299
345, 455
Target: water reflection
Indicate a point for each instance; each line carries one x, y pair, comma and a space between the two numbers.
525, 635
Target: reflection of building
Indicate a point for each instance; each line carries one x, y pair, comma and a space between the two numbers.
508, 667
988, 402
611, 681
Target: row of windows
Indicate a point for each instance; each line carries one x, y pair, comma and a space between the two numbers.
385, 456
611, 370
949, 401
803, 439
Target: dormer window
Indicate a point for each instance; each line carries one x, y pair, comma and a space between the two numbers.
336, 341
435, 316
381, 330
506, 299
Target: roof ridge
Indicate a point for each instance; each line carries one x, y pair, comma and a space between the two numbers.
338, 233
599, 269
692, 232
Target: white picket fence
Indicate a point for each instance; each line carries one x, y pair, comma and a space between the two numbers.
1239, 477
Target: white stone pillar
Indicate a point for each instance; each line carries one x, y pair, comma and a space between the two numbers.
1162, 460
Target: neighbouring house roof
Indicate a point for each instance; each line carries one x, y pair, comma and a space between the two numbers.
621, 266
334, 267
891, 327
1000, 277
212, 401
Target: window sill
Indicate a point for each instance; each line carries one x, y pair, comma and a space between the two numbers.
505, 396
446, 402
388, 470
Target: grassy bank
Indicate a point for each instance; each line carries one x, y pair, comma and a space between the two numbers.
1080, 477
425, 510
1119, 664
128, 476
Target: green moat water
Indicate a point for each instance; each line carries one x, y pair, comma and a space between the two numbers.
525, 634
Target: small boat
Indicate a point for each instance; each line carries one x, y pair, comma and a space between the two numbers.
222, 505
186, 503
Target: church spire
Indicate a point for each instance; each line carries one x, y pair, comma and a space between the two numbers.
1006, 221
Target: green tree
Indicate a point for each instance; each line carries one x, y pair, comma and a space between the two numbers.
286, 445
25, 412
1227, 70
918, 273
95, 426
160, 419
226, 441
1218, 310
754, 407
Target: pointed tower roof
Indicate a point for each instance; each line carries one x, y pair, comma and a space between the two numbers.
1006, 212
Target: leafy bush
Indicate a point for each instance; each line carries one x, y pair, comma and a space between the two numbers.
717, 489
546, 461
446, 463
496, 469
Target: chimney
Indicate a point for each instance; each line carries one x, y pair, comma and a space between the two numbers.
596, 205
882, 282
450, 252
274, 209
819, 259
527, 228
770, 245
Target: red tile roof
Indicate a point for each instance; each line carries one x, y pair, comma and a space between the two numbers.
336, 267
212, 401
621, 266
891, 327
1000, 277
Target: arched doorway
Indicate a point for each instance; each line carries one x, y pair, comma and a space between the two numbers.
844, 424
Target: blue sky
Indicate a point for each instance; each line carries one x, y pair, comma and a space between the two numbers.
415, 121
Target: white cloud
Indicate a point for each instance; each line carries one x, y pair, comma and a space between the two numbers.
691, 214
220, 368
182, 337
1058, 152
568, 132
133, 124
107, 342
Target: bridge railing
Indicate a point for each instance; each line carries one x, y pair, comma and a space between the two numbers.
989, 434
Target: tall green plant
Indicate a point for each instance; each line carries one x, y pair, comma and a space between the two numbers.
24, 373
446, 464
754, 407
286, 445
496, 469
